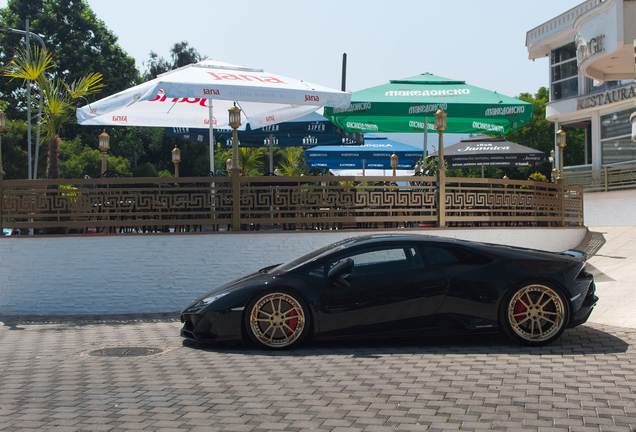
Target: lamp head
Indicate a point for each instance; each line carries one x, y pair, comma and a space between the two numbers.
104, 141
394, 161
235, 117
176, 155
560, 138
440, 120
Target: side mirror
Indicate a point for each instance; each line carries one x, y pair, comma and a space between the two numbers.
344, 266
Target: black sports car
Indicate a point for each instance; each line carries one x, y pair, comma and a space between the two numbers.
399, 286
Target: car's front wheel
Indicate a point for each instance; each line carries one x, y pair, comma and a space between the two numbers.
535, 314
277, 320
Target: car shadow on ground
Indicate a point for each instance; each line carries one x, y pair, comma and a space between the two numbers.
583, 340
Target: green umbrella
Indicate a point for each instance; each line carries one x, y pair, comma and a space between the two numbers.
403, 105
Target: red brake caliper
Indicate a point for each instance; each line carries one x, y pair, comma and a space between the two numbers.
519, 309
292, 323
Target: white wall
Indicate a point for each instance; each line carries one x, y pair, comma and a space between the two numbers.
144, 273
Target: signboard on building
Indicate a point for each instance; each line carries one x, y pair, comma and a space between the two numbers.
586, 49
607, 97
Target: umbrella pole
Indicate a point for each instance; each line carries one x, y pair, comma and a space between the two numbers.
482, 170
364, 183
425, 149
211, 120
271, 153
211, 115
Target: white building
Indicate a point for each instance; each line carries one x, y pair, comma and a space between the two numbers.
591, 54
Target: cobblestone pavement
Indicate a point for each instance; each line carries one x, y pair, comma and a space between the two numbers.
48, 381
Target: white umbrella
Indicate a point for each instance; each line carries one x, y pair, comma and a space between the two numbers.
184, 97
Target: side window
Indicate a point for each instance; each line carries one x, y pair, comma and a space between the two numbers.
317, 272
382, 261
435, 256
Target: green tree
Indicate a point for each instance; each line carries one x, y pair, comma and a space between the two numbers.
77, 40
78, 43
78, 160
155, 66
58, 98
181, 54
539, 134
14, 150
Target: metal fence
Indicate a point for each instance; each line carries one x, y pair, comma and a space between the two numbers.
609, 178
198, 203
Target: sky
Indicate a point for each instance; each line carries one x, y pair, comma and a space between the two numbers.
481, 42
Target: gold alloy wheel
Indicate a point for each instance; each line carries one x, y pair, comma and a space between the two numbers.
536, 313
277, 320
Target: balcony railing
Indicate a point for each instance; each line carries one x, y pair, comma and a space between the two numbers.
608, 178
196, 203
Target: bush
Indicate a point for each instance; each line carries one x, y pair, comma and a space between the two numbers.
538, 177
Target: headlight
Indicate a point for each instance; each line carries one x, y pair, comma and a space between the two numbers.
214, 297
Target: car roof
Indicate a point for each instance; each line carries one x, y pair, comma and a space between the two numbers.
385, 238
484, 247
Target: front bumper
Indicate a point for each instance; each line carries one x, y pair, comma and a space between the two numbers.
212, 326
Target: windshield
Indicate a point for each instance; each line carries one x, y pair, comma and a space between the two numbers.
311, 256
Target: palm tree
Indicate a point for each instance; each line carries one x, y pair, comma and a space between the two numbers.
251, 160
59, 98
293, 163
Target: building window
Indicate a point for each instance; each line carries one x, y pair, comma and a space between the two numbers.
564, 72
616, 143
589, 85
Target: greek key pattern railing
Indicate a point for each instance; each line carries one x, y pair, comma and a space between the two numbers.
159, 204
321, 202
487, 202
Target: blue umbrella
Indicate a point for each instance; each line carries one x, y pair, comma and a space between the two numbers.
310, 130
374, 154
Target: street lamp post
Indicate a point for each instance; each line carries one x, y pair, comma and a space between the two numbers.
560, 142
235, 122
104, 141
440, 125
32, 170
394, 162
176, 160
2, 125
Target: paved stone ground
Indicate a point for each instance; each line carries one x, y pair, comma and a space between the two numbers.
584, 382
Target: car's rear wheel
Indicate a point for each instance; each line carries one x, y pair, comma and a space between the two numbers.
535, 314
277, 320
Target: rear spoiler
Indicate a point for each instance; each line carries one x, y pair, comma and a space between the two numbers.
582, 255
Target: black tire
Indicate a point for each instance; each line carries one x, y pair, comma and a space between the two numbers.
277, 320
535, 314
